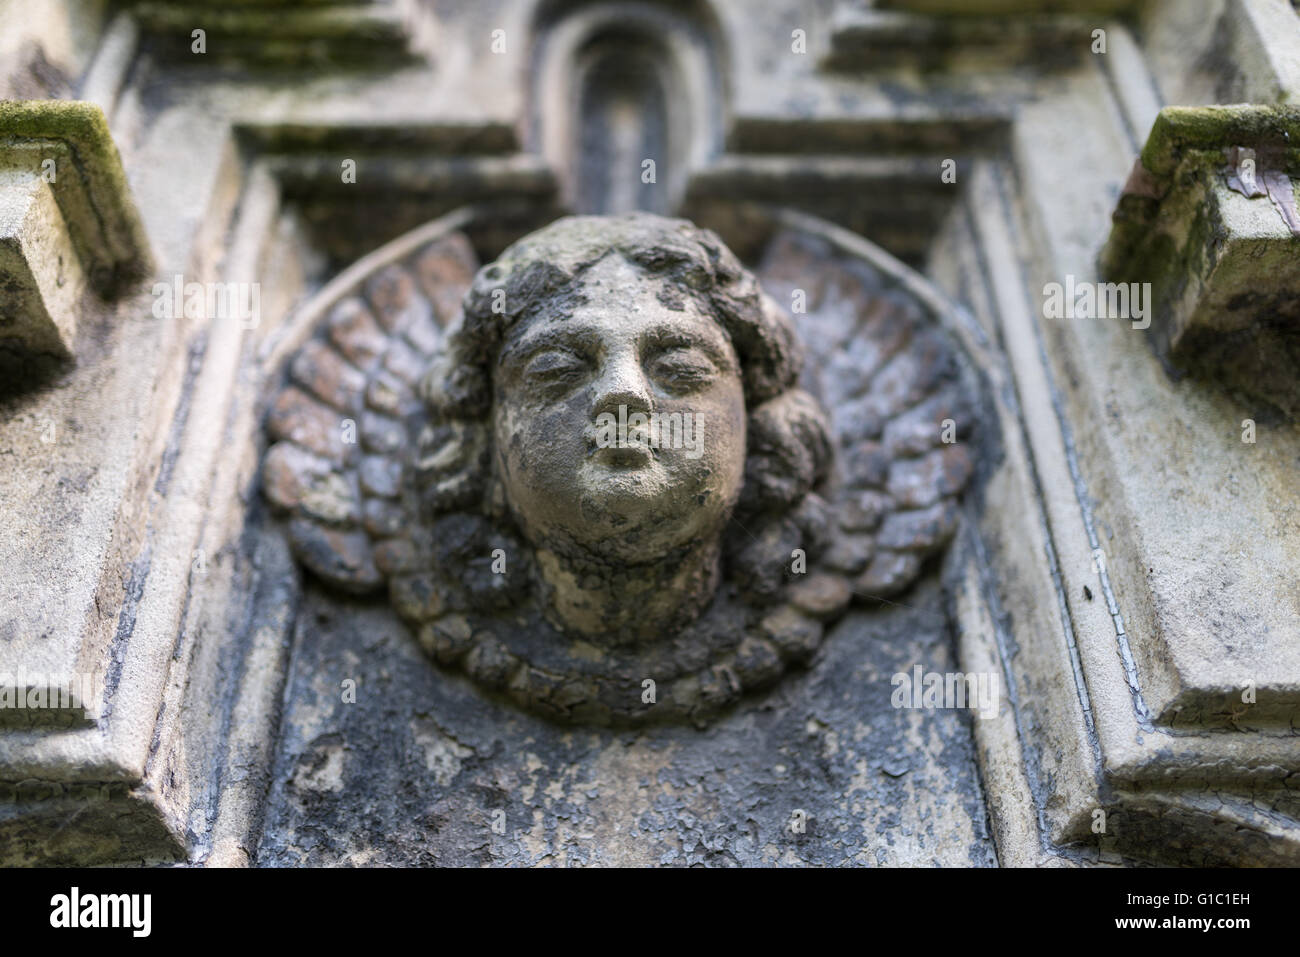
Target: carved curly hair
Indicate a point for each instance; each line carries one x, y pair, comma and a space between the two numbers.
788, 446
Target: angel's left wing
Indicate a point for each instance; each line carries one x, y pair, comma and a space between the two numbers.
898, 405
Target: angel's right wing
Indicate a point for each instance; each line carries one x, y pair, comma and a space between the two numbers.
341, 425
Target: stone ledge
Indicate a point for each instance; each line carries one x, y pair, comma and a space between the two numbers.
403, 176
983, 8
959, 130
96, 201
43, 281
67, 221
52, 823
1208, 218
276, 34
875, 39
900, 200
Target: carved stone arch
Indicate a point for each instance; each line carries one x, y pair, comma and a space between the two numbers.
677, 55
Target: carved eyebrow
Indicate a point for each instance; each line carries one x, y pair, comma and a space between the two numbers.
672, 337
521, 347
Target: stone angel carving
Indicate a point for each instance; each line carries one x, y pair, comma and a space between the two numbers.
607, 475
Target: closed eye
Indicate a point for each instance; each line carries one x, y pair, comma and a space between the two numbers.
554, 367
682, 369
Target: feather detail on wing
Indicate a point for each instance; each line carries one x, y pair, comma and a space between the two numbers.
340, 425
898, 409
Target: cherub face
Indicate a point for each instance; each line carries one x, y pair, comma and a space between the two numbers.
620, 428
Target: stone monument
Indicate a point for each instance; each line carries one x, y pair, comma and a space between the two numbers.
608, 479
682, 432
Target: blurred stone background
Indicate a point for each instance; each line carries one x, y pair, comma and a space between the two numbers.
1126, 564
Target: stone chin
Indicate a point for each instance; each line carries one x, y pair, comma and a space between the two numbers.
632, 515
628, 505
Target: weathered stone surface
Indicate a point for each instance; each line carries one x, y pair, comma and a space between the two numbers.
920, 482
290, 473
89, 184
301, 419
888, 573
1125, 564
631, 579
413, 771
54, 825
1209, 220
271, 35
949, 34
343, 558
445, 269
380, 476
394, 296
354, 331
39, 270
381, 434
67, 222
823, 596
1169, 533
327, 375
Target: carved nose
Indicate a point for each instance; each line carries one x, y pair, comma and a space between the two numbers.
623, 383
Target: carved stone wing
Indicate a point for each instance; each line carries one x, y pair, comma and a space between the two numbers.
340, 425
898, 405
887, 375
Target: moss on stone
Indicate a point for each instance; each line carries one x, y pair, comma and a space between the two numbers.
1219, 275
1179, 130
1186, 146
95, 200
314, 34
